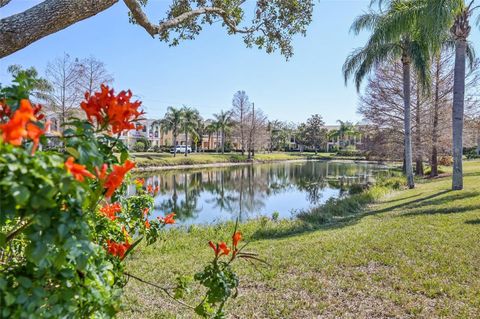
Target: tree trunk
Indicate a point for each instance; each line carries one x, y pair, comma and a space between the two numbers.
252, 132
174, 145
457, 112
242, 134
478, 143
418, 135
436, 106
186, 143
223, 141
19, 30
407, 121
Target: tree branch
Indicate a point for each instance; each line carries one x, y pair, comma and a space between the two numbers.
17, 231
165, 290
155, 29
19, 30
3, 3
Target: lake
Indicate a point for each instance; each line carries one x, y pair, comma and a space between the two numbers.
211, 195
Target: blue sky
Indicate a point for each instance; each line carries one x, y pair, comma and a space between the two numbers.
206, 72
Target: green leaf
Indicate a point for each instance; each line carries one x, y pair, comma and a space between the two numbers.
204, 310
123, 156
24, 281
132, 246
9, 298
73, 152
21, 194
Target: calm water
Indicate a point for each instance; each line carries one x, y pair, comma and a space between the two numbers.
213, 195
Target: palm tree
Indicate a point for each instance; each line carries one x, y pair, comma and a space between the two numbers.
190, 119
386, 43
440, 17
435, 18
199, 133
171, 122
210, 129
224, 122
344, 132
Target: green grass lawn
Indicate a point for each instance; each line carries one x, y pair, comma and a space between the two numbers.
165, 159
415, 253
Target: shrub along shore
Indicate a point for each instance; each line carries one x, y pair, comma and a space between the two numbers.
401, 253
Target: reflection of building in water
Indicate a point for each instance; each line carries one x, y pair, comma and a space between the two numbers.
345, 176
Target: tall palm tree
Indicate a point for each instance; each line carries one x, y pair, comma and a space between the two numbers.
435, 18
190, 119
387, 43
224, 122
442, 16
172, 122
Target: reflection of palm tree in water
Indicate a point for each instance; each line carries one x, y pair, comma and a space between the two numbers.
222, 200
312, 181
243, 190
186, 208
233, 197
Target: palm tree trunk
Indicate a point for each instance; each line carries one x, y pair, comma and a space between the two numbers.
186, 143
223, 141
407, 121
174, 145
418, 135
436, 106
457, 112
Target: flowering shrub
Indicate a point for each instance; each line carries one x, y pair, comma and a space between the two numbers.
66, 224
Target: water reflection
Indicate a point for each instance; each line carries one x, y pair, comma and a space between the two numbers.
212, 195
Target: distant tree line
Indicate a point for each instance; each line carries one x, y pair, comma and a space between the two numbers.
245, 128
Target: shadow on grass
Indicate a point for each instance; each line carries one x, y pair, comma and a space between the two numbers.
433, 201
272, 231
473, 221
469, 174
446, 199
400, 199
408, 204
441, 211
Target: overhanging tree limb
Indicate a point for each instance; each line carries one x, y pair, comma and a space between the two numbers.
155, 29
272, 26
50, 16
4, 2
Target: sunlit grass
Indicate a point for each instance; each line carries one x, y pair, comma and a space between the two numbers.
164, 159
414, 253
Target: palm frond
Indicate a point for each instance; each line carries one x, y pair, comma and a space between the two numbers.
366, 21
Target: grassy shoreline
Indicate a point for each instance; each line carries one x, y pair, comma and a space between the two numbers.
151, 161
413, 253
